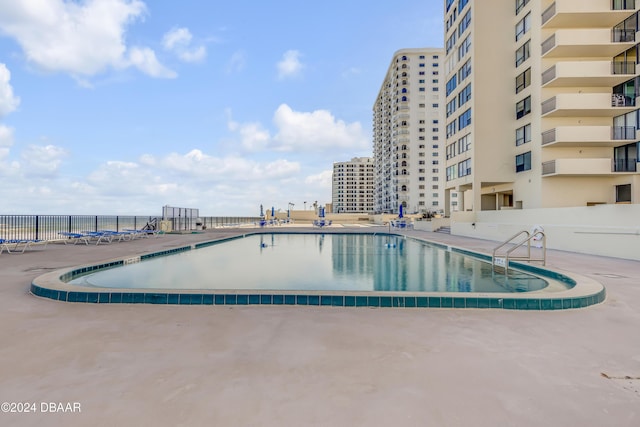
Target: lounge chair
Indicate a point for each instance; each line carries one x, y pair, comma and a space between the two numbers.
14, 245
75, 237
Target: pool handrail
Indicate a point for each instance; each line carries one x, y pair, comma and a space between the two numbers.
504, 261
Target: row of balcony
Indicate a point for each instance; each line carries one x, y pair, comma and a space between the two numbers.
588, 105
600, 136
588, 42
588, 73
588, 167
587, 13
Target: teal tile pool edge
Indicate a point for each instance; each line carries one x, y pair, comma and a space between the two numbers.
323, 300
333, 299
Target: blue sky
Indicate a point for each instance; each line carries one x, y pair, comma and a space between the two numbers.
123, 106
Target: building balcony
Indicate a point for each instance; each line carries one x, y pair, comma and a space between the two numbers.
589, 43
588, 73
587, 105
588, 167
587, 13
589, 136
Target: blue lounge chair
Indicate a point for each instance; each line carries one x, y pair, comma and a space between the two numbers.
75, 237
15, 245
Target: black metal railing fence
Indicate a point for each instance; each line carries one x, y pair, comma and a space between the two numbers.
48, 227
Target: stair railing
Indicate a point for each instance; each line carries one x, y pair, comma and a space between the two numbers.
503, 260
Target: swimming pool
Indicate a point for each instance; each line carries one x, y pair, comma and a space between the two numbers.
316, 262
334, 269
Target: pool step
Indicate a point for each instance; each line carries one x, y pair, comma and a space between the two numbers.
517, 281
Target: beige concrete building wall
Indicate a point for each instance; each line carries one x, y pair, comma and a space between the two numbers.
352, 186
408, 133
575, 64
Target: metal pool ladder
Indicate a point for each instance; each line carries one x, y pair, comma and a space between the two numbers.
517, 240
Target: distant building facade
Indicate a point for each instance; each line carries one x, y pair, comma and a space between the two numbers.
408, 123
352, 186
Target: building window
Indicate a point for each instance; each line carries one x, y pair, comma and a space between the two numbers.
523, 107
464, 71
522, 54
523, 26
464, 23
520, 4
523, 162
623, 193
451, 107
451, 128
451, 150
464, 95
464, 48
451, 41
464, 144
464, 120
523, 134
462, 4
464, 168
523, 80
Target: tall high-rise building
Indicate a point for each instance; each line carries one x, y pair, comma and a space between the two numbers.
352, 186
408, 123
541, 106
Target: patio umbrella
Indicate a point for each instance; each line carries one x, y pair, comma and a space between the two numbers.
400, 212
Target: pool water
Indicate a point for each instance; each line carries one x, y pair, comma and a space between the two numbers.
319, 262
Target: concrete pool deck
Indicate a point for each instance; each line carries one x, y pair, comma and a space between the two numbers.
276, 366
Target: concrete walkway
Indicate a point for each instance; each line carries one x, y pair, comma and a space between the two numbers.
138, 365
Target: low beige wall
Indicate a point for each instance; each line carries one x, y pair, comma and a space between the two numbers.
608, 230
309, 216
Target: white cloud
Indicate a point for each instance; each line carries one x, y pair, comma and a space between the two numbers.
42, 160
145, 60
254, 136
179, 40
323, 179
8, 102
218, 185
6, 141
290, 65
78, 38
198, 165
237, 62
316, 131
